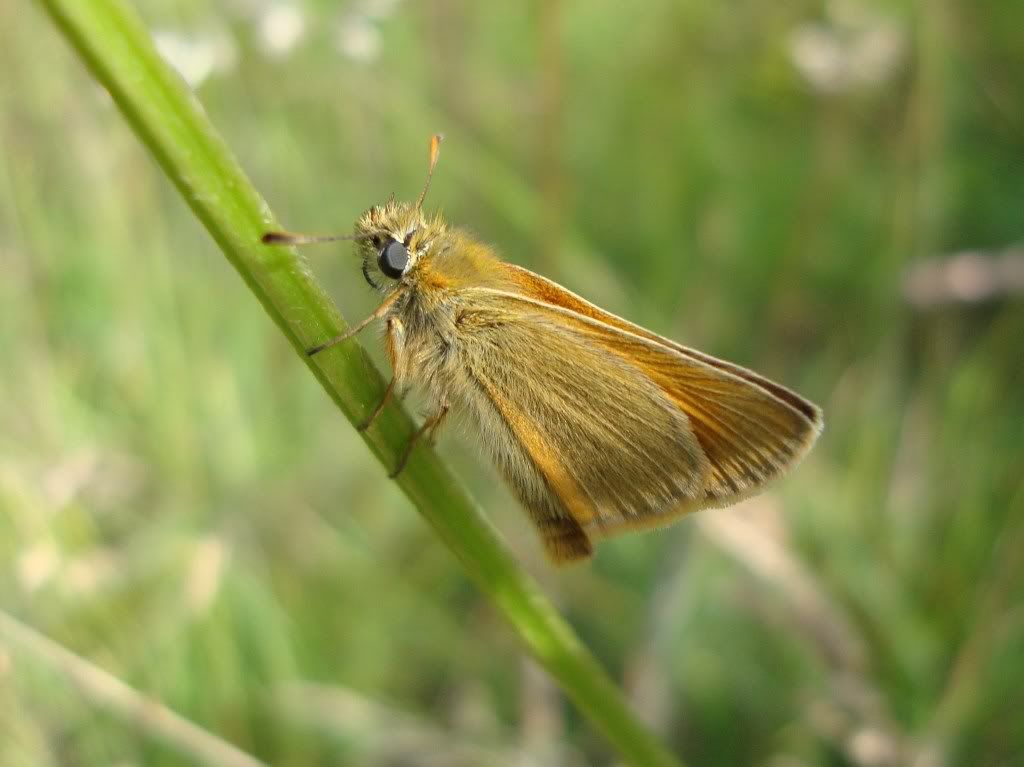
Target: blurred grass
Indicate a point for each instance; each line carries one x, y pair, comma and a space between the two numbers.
180, 504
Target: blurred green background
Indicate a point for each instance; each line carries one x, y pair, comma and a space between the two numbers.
830, 193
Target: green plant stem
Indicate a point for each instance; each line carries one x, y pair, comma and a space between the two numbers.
169, 121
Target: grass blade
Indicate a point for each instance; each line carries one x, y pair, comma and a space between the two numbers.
116, 47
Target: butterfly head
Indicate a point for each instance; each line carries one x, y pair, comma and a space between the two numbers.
391, 239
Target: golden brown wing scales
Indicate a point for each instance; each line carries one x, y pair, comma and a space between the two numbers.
623, 431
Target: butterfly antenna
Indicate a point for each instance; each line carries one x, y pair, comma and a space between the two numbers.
293, 238
435, 150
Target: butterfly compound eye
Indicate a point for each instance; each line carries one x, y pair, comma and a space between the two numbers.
393, 259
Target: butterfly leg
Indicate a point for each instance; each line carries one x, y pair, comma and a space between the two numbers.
378, 313
432, 434
380, 406
429, 427
395, 346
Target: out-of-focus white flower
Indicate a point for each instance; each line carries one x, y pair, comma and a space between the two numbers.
205, 573
871, 746
282, 27
853, 48
359, 38
37, 565
359, 35
196, 57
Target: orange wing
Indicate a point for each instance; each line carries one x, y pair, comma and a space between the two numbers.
750, 429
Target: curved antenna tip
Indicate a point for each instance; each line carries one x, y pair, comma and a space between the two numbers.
435, 150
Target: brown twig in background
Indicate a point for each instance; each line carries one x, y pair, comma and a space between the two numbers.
967, 277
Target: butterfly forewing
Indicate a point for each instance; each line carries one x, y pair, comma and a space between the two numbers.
742, 430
